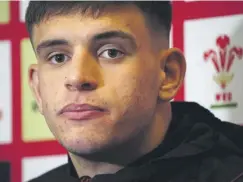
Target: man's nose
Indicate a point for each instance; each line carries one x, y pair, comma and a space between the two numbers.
84, 73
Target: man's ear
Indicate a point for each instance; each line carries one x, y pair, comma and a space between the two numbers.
34, 85
173, 68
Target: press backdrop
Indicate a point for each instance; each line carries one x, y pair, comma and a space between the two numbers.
209, 33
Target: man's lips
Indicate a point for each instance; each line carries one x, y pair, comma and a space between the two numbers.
81, 112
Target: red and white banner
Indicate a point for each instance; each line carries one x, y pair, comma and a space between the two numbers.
209, 33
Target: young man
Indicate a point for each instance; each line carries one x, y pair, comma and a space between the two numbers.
104, 80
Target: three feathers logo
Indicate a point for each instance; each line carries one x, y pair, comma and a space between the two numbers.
222, 59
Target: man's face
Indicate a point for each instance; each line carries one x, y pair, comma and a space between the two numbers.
108, 63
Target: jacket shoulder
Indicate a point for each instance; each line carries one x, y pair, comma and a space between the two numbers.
226, 166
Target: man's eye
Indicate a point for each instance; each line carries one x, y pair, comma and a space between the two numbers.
58, 58
111, 54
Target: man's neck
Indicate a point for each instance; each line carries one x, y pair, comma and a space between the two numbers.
115, 159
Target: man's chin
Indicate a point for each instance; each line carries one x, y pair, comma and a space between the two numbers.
82, 147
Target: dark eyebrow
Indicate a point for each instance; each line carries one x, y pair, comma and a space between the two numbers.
97, 37
51, 43
115, 34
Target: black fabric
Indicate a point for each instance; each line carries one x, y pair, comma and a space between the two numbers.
198, 147
4, 171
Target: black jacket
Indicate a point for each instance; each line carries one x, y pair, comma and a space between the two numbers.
198, 147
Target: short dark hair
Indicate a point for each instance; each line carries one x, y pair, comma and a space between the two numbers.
158, 13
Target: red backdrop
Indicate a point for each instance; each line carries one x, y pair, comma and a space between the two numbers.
15, 31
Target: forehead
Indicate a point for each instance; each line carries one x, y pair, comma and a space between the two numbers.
79, 27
